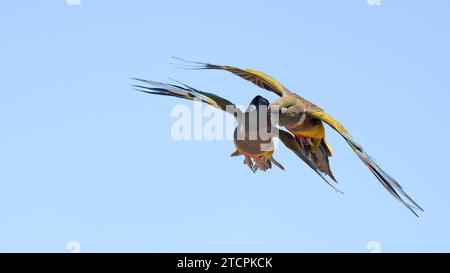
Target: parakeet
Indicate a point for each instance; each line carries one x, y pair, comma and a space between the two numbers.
257, 150
305, 121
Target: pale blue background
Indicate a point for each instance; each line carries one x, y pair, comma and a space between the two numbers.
85, 158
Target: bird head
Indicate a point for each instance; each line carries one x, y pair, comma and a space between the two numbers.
257, 103
287, 110
257, 117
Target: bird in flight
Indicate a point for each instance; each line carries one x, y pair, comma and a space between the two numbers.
257, 150
305, 121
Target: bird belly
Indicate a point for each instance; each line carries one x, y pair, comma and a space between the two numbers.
315, 131
255, 148
312, 129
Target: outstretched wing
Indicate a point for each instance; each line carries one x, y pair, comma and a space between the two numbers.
386, 180
256, 77
189, 93
290, 142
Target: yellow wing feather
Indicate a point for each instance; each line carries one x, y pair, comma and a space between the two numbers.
330, 121
388, 182
258, 78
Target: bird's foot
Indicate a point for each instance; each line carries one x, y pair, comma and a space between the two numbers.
248, 161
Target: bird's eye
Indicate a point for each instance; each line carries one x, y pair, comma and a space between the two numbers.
283, 110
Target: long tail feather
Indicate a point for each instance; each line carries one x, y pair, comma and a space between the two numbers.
290, 142
316, 169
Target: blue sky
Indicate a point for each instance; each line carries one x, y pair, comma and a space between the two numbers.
84, 158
